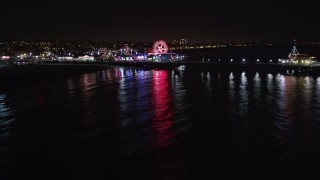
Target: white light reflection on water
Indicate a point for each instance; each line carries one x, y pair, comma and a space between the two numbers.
286, 101
281, 111
206, 80
208, 83
317, 96
281, 99
257, 86
179, 91
270, 84
318, 91
307, 86
232, 93
5, 119
318, 86
123, 97
270, 88
231, 90
243, 94
3, 107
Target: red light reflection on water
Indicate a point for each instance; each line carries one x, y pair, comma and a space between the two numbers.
162, 108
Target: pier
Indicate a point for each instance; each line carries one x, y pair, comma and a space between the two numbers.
289, 69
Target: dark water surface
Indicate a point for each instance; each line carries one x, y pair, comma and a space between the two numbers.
156, 124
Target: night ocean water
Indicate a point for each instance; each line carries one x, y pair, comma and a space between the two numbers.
130, 123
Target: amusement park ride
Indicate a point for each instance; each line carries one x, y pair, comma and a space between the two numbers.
159, 53
160, 47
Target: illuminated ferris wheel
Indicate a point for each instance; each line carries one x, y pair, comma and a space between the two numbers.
160, 47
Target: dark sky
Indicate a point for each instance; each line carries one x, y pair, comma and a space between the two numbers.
121, 20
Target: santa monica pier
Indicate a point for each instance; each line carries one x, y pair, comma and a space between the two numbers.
179, 54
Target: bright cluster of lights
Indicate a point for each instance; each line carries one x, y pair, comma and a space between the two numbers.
296, 61
160, 47
5, 57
